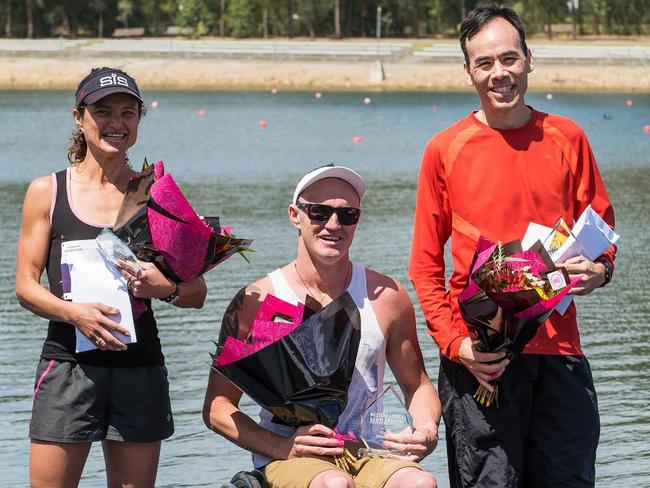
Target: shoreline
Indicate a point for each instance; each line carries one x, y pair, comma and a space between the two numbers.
37, 70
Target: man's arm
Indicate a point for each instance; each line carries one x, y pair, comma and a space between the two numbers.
431, 230
395, 311
589, 189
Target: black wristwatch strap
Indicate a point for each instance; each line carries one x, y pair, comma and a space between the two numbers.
174, 295
608, 271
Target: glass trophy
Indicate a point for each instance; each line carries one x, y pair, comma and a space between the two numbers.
114, 250
387, 413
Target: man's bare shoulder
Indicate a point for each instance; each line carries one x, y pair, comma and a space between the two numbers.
386, 291
258, 290
242, 309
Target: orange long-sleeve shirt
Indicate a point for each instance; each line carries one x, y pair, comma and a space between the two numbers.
475, 180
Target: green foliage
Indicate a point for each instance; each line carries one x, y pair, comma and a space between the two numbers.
243, 18
195, 14
310, 18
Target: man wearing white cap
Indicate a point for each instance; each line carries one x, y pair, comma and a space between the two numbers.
325, 210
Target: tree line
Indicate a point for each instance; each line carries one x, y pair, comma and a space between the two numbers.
309, 18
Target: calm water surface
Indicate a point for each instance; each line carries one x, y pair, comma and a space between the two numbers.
228, 166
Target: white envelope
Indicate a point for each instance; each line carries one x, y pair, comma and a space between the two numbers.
590, 237
87, 277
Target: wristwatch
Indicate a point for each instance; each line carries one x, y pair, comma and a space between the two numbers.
175, 295
608, 270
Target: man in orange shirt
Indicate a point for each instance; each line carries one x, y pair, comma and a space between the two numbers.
490, 174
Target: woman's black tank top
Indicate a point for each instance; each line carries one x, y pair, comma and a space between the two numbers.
60, 342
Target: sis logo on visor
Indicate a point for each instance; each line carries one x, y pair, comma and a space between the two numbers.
106, 82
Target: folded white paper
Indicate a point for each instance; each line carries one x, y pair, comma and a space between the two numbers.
89, 278
590, 237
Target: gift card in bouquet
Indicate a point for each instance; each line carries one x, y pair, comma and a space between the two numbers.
386, 414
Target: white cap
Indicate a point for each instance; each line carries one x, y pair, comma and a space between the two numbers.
331, 171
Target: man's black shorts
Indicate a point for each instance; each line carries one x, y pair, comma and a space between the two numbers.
543, 433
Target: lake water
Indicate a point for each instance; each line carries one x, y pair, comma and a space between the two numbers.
229, 166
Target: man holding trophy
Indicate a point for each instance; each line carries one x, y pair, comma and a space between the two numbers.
367, 444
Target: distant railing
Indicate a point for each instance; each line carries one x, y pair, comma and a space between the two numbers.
310, 50
253, 49
560, 53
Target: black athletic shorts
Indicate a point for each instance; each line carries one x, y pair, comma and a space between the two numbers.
543, 433
81, 403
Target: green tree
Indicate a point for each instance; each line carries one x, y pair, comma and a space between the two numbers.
29, 11
195, 14
243, 18
156, 15
125, 9
7, 17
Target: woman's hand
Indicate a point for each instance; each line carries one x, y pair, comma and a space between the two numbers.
92, 321
316, 441
414, 444
146, 281
485, 366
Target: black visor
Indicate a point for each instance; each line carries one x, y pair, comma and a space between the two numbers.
104, 83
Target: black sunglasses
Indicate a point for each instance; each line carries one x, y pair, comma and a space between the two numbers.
322, 213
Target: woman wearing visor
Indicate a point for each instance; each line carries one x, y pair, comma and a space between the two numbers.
116, 392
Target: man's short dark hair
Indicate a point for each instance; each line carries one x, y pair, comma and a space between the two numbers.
483, 14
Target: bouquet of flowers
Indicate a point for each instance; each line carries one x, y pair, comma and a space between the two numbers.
295, 361
510, 292
159, 225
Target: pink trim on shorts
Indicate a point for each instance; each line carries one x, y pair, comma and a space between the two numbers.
68, 177
42, 378
53, 196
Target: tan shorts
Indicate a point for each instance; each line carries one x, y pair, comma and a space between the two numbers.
369, 472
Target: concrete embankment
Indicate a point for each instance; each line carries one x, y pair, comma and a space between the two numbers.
295, 65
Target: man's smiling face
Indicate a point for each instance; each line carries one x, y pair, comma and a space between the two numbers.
326, 241
498, 67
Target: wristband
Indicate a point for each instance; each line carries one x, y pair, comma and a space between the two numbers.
608, 271
175, 295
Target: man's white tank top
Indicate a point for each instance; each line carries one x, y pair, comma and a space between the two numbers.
368, 376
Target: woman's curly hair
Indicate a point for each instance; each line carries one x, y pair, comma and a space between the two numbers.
78, 147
